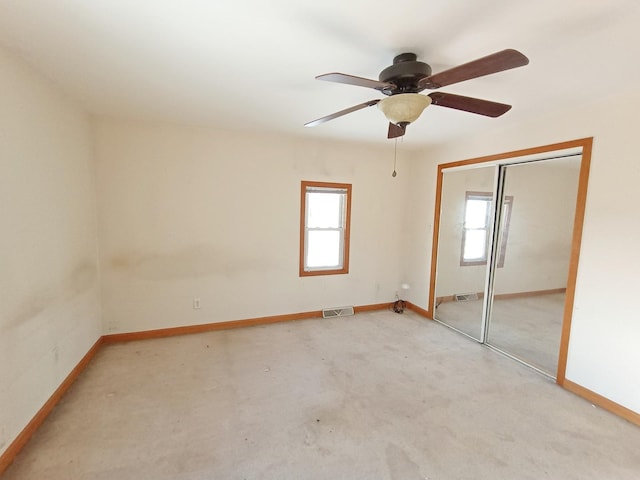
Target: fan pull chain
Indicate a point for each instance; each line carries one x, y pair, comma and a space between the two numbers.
395, 157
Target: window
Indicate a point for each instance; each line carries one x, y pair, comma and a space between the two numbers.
324, 228
475, 231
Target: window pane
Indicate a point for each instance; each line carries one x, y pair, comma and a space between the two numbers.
323, 249
324, 228
475, 244
323, 210
475, 215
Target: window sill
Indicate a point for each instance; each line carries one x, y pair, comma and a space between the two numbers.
315, 273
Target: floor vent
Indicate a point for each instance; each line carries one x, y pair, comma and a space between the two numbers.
463, 297
337, 312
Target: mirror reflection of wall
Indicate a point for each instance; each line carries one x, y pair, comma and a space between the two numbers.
461, 269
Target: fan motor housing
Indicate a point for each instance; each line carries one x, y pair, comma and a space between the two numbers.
405, 73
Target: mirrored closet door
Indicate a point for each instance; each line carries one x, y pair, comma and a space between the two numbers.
465, 231
534, 248
503, 250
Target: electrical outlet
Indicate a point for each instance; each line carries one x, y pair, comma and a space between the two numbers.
196, 303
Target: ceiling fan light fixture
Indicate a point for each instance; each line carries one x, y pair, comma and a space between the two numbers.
404, 107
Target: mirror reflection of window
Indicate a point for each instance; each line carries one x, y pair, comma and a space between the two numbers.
475, 230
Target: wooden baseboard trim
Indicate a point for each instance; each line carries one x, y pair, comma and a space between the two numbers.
535, 293
23, 437
210, 327
602, 402
206, 327
506, 296
372, 308
419, 310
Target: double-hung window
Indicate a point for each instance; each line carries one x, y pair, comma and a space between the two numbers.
475, 231
324, 228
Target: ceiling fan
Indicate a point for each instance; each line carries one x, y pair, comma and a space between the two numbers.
402, 82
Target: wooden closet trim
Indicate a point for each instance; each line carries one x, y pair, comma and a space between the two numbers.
586, 144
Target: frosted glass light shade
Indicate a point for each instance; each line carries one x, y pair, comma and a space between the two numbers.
404, 107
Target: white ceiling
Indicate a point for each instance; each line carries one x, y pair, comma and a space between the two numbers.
251, 63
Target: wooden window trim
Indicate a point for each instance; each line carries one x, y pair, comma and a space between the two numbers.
508, 200
347, 228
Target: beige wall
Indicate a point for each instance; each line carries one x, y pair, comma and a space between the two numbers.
214, 214
49, 308
605, 333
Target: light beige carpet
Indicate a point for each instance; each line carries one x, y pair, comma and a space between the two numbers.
375, 396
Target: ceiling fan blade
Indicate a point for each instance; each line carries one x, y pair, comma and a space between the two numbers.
396, 130
496, 62
357, 81
355, 108
469, 104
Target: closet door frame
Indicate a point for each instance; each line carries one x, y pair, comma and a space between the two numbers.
583, 146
